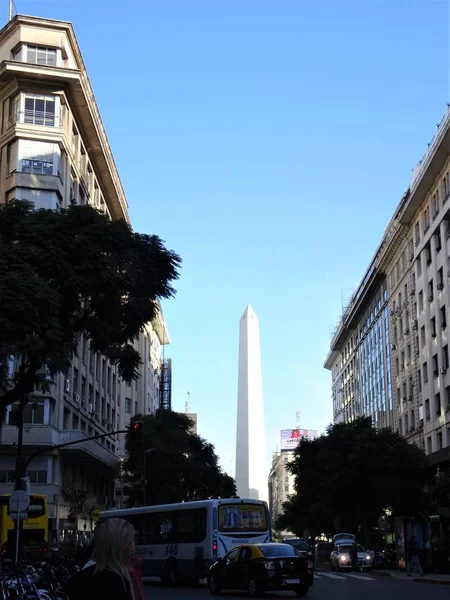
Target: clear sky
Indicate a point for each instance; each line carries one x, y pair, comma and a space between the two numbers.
268, 142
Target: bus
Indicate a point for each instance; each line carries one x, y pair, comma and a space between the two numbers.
34, 530
175, 541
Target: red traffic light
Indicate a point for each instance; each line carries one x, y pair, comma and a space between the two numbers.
137, 426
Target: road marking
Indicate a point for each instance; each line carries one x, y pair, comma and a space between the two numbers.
364, 577
332, 576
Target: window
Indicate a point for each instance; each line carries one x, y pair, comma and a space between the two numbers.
417, 233
433, 326
33, 413
439, 440
40, 110
37, 476
427, 410
37, 167
421, 301
425, 372
437, 402
446, 185
434, 205
445, 356
443, 312
39, 55
429, 445
438, 242
413, 423
430, 291
128, 405
435, 365
422, 335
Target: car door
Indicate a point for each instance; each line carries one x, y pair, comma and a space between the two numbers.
242, 568
229, 563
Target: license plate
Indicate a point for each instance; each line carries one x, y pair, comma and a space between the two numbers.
292, 581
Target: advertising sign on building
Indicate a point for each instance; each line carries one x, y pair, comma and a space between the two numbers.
290, 438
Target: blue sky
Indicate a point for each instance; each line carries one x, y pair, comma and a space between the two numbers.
268, 142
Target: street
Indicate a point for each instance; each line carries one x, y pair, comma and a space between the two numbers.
327, 585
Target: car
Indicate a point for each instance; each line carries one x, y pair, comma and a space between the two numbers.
260, 568
302, 546
341, 556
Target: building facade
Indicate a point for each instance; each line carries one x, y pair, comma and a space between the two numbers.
389, 355
54, 151
281, 483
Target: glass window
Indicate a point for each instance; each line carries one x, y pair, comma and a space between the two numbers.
242, 517
39, 55
274, 550
127, 405
40, 110
37, 167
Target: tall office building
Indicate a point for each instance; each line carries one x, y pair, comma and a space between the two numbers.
389, 354
55, 152
251, 469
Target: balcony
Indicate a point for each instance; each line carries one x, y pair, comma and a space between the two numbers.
33, 435
87, 450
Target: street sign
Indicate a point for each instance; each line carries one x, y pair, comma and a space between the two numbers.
19, 502
21, 516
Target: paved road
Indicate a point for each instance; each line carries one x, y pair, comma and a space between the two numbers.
327, 586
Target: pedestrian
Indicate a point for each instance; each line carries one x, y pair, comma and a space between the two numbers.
354, 556
106, 574
413, 557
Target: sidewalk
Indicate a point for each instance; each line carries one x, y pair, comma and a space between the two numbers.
436, 578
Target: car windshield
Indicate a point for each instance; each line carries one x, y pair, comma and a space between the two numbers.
274, 550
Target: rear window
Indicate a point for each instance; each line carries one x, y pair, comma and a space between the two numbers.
298, 544
274, 550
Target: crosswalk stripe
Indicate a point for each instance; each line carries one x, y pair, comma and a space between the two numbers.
332, 576
364, 577
343, 576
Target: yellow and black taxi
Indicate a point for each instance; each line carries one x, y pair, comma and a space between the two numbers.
260, 568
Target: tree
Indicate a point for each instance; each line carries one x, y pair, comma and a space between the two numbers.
69, 273
348, 478
178, 464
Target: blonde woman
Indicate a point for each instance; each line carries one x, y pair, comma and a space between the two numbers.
106, 574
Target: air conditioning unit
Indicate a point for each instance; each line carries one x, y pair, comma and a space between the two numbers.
442, 370
67, 385
76, 397
440, 286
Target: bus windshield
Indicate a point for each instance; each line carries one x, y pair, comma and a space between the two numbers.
242, 517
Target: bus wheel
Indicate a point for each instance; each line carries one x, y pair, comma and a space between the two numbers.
174, 574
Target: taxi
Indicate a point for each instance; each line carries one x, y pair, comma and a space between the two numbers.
260, 568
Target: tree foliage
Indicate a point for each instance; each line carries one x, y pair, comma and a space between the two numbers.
70, 273
348, 478
179, 465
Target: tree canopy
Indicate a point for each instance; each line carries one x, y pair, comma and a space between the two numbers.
69, 273
179, 465
350, 477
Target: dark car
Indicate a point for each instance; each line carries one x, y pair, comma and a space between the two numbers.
261, 568
302, 547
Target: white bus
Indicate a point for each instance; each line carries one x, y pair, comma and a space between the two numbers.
175, 541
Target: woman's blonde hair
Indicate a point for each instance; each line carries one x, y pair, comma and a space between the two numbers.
112, 542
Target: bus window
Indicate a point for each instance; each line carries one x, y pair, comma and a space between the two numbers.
242, 517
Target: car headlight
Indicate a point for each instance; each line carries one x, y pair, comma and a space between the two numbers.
343, 558
368, 557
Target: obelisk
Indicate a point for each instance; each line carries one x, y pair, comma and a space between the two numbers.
251, 466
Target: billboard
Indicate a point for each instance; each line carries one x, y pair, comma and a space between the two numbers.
290, 438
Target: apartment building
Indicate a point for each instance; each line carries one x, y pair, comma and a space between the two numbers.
54, 151
281, 482
389, 355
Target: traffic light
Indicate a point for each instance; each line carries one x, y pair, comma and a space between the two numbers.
137, 426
